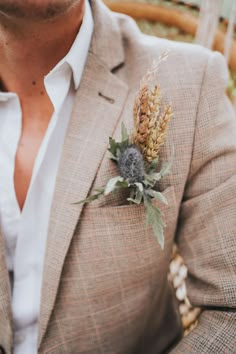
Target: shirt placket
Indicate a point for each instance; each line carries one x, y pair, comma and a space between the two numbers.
10, 135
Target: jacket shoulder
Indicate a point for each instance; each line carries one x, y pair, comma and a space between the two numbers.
185, 61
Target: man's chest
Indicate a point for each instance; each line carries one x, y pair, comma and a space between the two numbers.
30, 140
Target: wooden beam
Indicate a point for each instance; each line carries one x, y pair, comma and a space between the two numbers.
171, 17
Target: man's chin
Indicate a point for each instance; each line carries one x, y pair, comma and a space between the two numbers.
37, 10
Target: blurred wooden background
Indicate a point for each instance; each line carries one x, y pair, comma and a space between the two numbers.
211, 23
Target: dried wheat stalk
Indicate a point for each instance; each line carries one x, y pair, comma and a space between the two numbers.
151, 120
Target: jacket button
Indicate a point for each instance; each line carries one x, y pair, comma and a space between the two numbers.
2, 350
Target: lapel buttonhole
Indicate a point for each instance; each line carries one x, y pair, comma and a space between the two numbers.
109, 99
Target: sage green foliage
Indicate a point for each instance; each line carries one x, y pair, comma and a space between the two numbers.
115, 147
154, 218
144, 191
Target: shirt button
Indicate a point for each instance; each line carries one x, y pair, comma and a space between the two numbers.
19, 338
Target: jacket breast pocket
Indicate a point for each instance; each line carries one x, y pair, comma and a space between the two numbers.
119, 258
122, 230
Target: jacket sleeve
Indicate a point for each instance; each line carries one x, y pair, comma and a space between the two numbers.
206, 234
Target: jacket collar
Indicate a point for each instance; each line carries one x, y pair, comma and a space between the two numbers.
107, 42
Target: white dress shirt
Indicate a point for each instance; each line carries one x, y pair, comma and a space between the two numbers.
25, 232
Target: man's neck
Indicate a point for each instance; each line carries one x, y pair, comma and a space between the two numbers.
29, 50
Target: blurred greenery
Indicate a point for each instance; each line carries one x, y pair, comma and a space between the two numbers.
174, 33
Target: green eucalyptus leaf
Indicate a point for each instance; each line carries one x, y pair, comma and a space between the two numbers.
149, 181
112, 183
154, 219
100, 190
165, 170
156, 176
118, 152
122, 184
124, 145
138, 197
92, 197
124, 133
153, 165
113, 146
132, 200
139, 186
157, 195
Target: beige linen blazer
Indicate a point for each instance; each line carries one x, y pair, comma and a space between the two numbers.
105, 287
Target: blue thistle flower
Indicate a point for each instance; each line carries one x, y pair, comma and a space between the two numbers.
131, 164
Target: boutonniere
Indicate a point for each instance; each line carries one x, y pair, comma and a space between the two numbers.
137, 154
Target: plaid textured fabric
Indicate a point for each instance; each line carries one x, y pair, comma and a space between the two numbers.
105, 287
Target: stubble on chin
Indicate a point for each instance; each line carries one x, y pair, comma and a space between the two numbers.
37, 11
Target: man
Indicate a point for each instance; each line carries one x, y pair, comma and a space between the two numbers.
93, 279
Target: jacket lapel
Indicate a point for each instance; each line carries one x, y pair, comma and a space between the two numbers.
5, 302
98, 106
